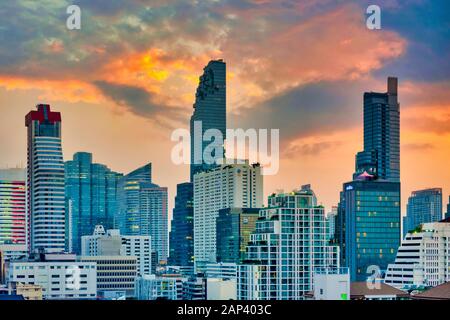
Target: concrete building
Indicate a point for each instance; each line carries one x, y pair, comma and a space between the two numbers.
331, 284
61, 276
226, 186
423, 259
151, 287
112, 243
221, 270
220, 289
114, 274
289, 243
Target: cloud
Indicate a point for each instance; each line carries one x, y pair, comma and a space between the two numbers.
308, 149
417, 146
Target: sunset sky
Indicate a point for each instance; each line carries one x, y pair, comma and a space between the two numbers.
127, 79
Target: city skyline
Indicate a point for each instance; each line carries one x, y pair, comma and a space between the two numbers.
157, 81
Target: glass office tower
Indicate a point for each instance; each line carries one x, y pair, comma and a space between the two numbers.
381, 155
45, 180
423, 206
91, 197
182, 232
209, 113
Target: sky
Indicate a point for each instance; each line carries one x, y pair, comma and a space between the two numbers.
127, 79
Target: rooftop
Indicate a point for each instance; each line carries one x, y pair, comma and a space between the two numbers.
441, 292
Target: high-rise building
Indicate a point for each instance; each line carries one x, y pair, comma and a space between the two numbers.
447, 215
182, 231
289, 244
233, 229
45, 180
369, 225
209, 113
381, 155
226, 186
143, 210
112, 243
91, 197
423, 206
13, 218
423, 258
331, 222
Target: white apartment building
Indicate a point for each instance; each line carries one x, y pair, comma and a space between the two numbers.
226, 186
331, 284
112, 243
151, 287
221, 289
61, 276
221, 270
423, 259
289, 243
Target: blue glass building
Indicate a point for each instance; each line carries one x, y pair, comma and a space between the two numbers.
91, 197
142, 210
181, 252
423, 206
381, 155
209, 112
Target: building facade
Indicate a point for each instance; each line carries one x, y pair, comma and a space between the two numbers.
423, 259
91, 197
209, 113
381, 155
423, 206
45, 181
370, 225
143, 210
13, 217
226, 186
289, 243
182, 231
233, 229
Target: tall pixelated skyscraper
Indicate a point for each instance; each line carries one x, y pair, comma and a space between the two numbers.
91, 197
209, 113
381, 155
45, 180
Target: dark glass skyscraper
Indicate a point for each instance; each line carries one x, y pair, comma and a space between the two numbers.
91, 197
381, 155
447, 215
143, 210
423, 206
182, 232
209, 112
45, 181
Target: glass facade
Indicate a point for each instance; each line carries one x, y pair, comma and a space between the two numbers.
209, 112
233, 229
182, 231
91, 197
423, 206
381, 155
370, 235
13, 218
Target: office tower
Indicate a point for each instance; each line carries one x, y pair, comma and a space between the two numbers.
209, 112
112, 243
61, 276
182, 232
331, 222
233, 229
226, 186
447, 215
91, 197
289, 244
13, 218
381, 154
45, 180
369, 231
142, 210
422, 259
423, 206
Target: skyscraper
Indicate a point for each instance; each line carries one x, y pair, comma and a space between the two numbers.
289, 244
91, 197
13, 219
226, 186
45, 180
143, 210
369, 234
423, 206
182, 231
447, 215
209, 112
381, 155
